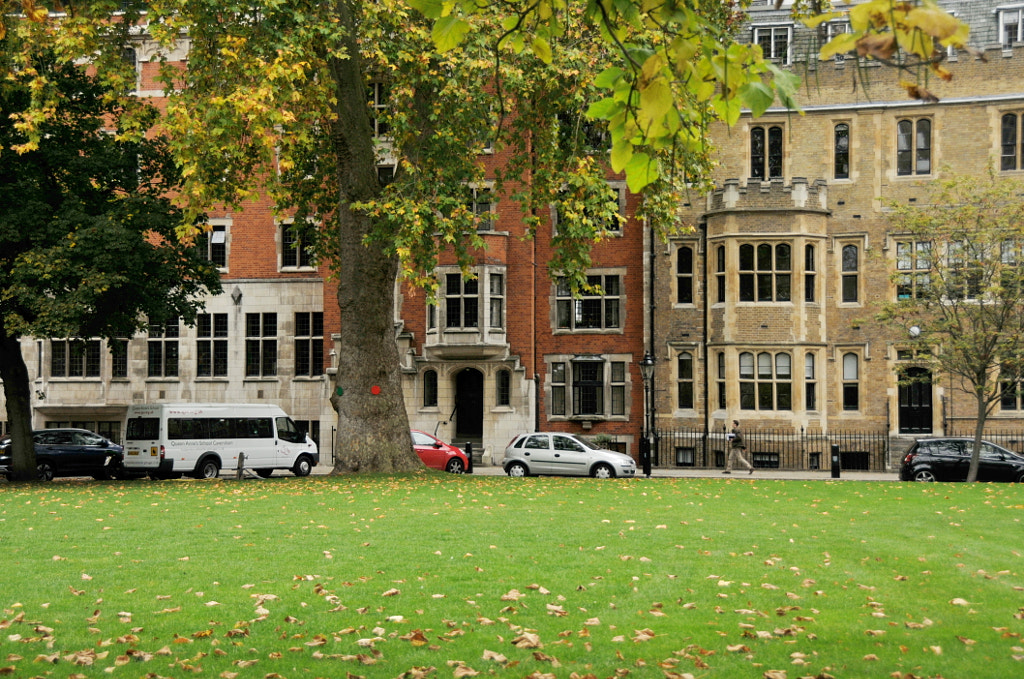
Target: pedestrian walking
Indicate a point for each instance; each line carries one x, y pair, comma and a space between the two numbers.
737, 444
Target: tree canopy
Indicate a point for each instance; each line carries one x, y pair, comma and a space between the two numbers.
959, 277
88, 244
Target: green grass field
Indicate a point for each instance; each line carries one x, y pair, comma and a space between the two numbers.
431, 575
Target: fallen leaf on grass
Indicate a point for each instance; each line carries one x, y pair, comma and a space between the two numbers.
527, 640
495, 656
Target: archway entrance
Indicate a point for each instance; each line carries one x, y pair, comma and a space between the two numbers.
915, 401
469, 398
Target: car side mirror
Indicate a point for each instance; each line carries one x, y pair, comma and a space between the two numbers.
436, 444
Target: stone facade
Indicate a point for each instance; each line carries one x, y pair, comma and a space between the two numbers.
791, 344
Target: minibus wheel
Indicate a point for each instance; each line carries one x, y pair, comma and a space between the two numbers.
303, 466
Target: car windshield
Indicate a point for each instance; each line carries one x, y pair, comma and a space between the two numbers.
587, 444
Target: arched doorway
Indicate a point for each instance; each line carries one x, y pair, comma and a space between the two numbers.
915, 411
469, 400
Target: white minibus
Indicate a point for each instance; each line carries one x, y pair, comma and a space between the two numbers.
166, 440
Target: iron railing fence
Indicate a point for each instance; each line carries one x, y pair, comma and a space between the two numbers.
772, 449
1011, 440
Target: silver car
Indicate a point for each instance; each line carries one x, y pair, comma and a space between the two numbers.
564, 455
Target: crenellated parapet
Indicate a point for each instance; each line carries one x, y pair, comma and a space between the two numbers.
773, 195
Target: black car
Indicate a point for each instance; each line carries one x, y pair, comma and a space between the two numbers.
949, 459
68, 452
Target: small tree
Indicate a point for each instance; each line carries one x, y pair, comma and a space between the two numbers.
87, 231
959, 278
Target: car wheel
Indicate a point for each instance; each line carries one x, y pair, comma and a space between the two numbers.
1020, 479
455, 466
208, 469
103, 476
264, 473
45, 471
602, 471
517, 470
924, 475
302, 466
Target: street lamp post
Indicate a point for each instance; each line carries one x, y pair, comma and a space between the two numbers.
647, 435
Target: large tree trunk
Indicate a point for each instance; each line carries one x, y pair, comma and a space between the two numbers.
18, 399
373, 428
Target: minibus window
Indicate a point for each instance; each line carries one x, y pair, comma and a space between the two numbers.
287, 430
142, 429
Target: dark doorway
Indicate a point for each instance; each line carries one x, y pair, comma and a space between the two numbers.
469, 397
915, 401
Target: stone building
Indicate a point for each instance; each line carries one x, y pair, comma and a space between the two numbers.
764, 310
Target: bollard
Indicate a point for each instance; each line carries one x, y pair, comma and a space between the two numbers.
241, 466
468, 450
835, 461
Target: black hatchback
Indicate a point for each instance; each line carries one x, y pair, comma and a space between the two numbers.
69, 452
949, 459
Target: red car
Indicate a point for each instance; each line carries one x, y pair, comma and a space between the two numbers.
437, 454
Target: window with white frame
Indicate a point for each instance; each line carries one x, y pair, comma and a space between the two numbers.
212, 345
462, 302
834, 29
480, 202
558, 389
596, 309
74, 358
964, 276
377, 98
765, 272
766, 381
684, 275
261, 345
162, 349
588, 386
213, 244
497, 300
851, 381
914, 146
1011, 25
469, 304
309, 343
1011, 386
810, 382
766, 151
684, 381
914, 264
296, 252
775, 42
1011, 142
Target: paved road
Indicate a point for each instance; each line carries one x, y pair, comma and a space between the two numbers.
826, 475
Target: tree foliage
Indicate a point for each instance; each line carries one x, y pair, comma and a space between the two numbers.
87, 230
959, 276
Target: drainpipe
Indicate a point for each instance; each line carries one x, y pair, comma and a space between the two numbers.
705, 310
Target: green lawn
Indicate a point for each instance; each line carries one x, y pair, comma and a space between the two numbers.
450, 576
